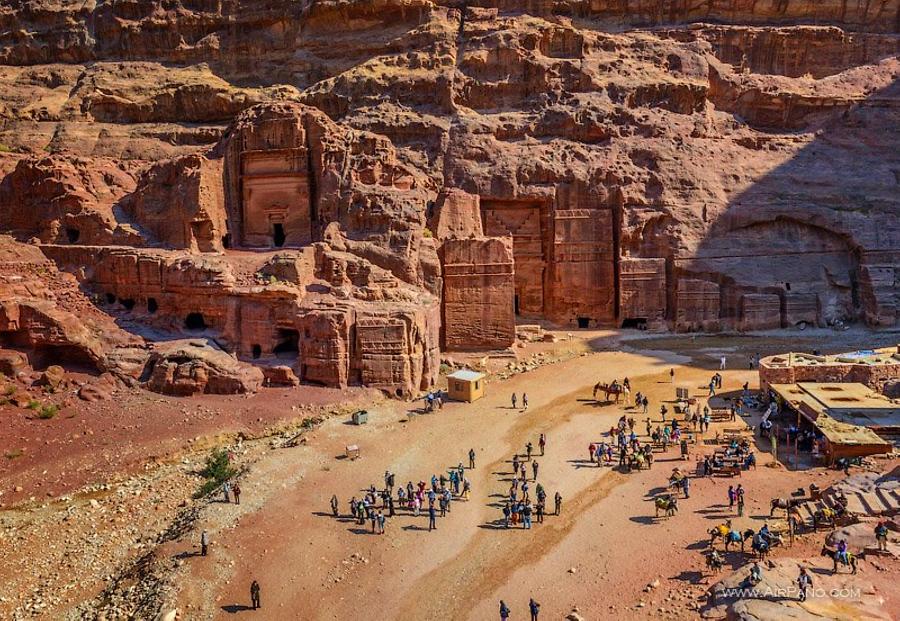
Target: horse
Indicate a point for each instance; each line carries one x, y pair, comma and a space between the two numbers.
788, 504
719, 532
669, 504
836, 558
714, 561
829, 515
609, 389
735, 536
761, 546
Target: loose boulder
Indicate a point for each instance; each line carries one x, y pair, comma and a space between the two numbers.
195, 366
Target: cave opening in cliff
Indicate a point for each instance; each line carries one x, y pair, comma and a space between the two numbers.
152, 305
256, 351
634, 323
195, 321
127, 303
288, 343
278, 236
584, 322
516, 303
110, 298
226, 240
72, 358
73, 235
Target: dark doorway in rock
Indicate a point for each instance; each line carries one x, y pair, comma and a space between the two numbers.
195, 321
635, 323
128, 304
787, 286
584, 322
257, 351
278, 235
516, 304
226, 240
288, 343
72, 235
152, 305
110, 298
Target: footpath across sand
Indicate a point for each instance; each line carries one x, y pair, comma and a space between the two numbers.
318, 567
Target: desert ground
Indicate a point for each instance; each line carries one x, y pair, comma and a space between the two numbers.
606, 554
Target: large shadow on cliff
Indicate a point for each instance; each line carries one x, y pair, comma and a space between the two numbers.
814, 239
817, 237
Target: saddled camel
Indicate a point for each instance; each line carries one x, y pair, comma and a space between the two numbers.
609, 389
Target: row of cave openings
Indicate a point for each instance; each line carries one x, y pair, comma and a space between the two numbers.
129, 303
287, 341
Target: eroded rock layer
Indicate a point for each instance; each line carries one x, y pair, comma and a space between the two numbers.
336, 190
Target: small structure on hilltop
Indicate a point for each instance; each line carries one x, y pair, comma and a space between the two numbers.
841, 415
465, 385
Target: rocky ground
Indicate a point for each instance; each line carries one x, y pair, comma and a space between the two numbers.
127, 526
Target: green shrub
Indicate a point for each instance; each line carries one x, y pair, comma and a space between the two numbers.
9, 391
218, 470
33, 404
48, 411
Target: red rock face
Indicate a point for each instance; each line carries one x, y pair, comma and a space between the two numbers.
336, 190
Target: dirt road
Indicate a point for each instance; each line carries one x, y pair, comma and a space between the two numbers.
317, 567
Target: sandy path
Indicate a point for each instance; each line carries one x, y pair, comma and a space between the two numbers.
305, 560
313, 566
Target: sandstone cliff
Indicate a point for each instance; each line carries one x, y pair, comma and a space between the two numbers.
427, 171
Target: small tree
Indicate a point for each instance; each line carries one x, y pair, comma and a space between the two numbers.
218, 469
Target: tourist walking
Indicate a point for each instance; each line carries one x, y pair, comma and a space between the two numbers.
534, 608
557, 501
504, 611
204, 543
881, 535
646, 404
529, 449
804, 582
236, 490
542, 443
524, 402
432, 517
254, 595
722, 363
513, 399
732, 496
226, 490
672, 375
534, 469
471, 459
739, 493
334, 505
